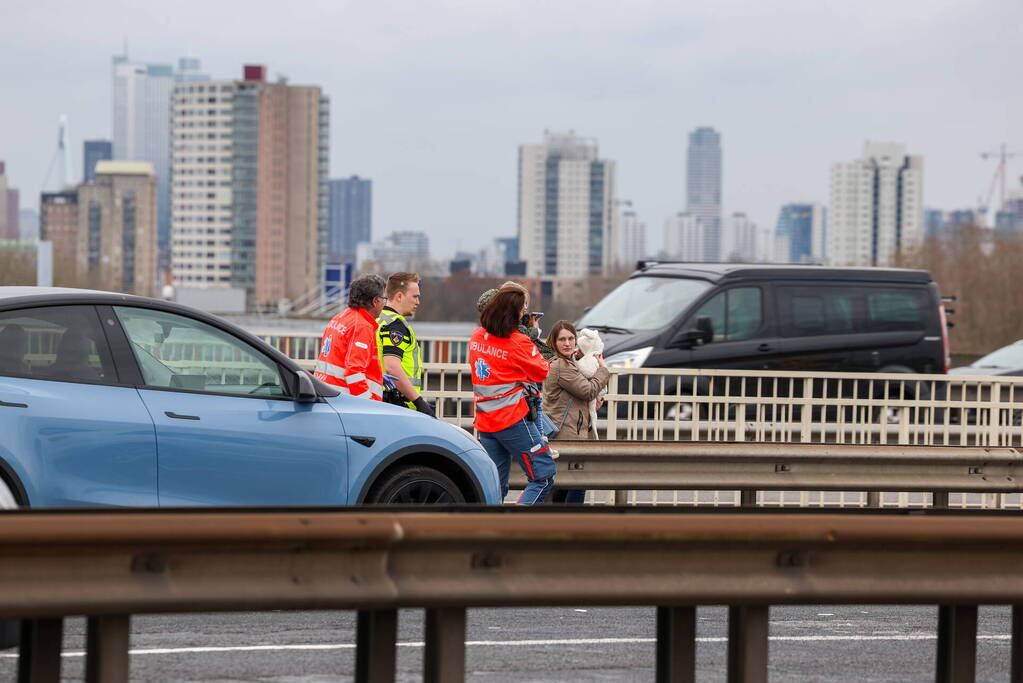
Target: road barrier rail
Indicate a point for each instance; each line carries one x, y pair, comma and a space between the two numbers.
650, 466
108, 566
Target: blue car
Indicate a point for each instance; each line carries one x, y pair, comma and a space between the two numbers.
110, 399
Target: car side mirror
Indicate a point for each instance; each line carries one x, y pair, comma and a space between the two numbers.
306, 392
705, 325
703, 333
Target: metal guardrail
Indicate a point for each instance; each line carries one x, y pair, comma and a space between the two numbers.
639, 465
108, 566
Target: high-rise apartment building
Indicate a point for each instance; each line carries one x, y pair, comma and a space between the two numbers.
401, 250
566, 215
703, 187
743, 241
876, 206
631, 241
351, 217
94, 152
805, 229
141, 124
116, 241
684, 238
58, 224
249, 171
9, 207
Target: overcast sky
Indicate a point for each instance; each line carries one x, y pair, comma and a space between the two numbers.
431, 99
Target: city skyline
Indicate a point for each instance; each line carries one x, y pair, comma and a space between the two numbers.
450, 122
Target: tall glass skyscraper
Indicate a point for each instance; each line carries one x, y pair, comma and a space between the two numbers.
703, 187
351, 216
802, 227
142, 113
96, 151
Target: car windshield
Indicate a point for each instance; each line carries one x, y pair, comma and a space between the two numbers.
644, 303
1010, 356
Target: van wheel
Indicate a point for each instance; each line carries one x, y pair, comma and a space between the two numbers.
415, 485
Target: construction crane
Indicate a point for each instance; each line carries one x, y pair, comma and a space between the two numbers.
998, 180
62, 156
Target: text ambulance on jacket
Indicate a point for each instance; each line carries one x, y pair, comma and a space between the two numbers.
349, 358
500, 368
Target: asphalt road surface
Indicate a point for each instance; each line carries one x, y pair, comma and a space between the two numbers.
815, 643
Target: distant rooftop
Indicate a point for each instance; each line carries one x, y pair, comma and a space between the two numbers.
125, 168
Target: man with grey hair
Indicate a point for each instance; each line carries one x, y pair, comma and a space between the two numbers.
349, 358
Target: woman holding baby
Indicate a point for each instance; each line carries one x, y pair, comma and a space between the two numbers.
567, 393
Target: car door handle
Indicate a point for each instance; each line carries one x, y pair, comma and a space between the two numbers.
5, 404
176, 416
764, 347
366, 441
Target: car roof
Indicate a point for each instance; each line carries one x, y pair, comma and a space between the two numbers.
20, 297
716, 272
50, 294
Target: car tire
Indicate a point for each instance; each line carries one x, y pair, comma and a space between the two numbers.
415, 485
10, 630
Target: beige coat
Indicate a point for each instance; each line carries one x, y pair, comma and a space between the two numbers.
567, 388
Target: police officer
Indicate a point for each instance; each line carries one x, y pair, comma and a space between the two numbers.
399, 348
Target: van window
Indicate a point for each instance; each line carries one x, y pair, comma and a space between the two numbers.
809, 311
898, 310
735, 313
644, 303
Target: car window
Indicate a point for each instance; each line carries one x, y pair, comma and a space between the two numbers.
736, 313
55, 342
809, 311
178, 352
895, 310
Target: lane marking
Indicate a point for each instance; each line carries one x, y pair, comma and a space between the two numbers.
504, 643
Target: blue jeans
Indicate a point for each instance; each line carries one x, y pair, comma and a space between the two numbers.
523, 442
569, 496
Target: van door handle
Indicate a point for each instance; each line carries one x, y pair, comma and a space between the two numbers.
178, 416
764, 347
5, 404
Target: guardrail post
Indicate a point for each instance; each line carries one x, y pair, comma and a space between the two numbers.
1016, 665
444, 654
39, 655
747, 643
376, 645
957, 644
106, 649
676, 645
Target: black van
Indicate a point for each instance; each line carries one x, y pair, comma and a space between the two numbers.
767, 317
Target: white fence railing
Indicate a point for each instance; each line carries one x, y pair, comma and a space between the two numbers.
306, 346
798, 407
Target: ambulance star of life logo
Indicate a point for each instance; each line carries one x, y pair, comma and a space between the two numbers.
482, 369
326, 346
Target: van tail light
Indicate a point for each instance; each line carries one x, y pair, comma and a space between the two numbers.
944, 337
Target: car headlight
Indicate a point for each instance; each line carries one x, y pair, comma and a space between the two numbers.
629, 359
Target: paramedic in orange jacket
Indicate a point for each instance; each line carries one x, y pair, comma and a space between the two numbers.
349, 357
504, 363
